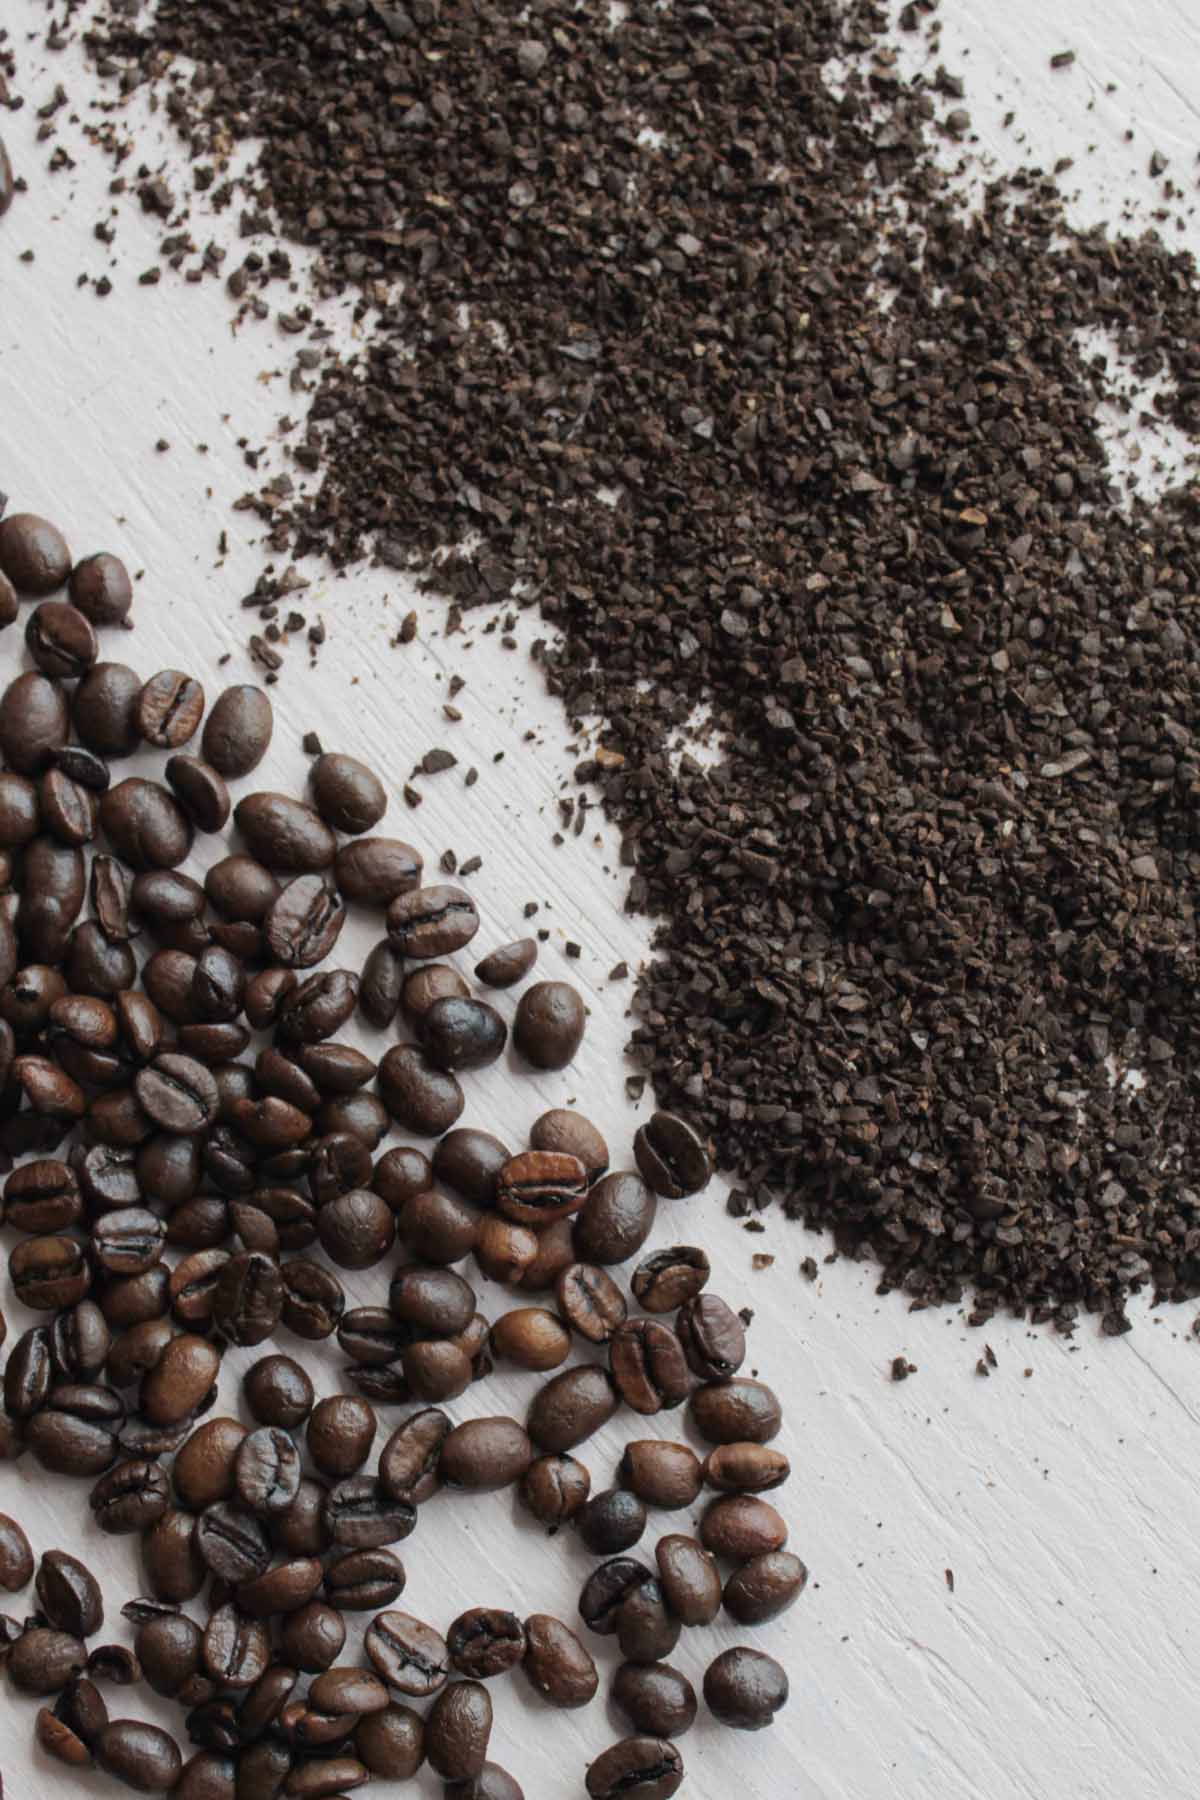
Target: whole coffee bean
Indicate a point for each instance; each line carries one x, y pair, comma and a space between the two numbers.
69, 1595
193, 1286
300, 1531
570, 1407
370, 1335
285, 834
736, 1411
174, 1568
411, 1657
432, 921
661, 1473
205, 1469
439, 1228
689, 1578
436, 1370
739, 1526
201, 792
267, 1471
136, 1351
549, 1025
764, 1587
646, 1631
605, 1590
101, 589
232, 1542
312, 1637
612, 1521
131, 1497
538, 1186
104, 710
360, 1515
670, 1278
532, 1338
247, 1302
16, 1556
504, 1250
239, 887
438, 1302
426, 984
745, 1688
294, 1217
615, 1221
57, 1103
143, 1029
278, 1391
336, 1069
485, 1641
713, 1337
237, 732
51, 897
142, 1756
364, 1580
419, 1097
360, 1115
33, 553
168, 1169
671, 1156
80, 1342
484, 1455
508, 965
81, 1707
170, 708
655, 1698
304, 923
348, 795
469, 1161
43, 1661
649, 1768
491, 1783
356, 1229
49, 1272
128, 1242
473, 1341
209, 1775
338, 1162
20, 813
648, 1366
462, 1034
214, 1724
557, 1664
391, 1742
325, 1780
60, 640
59, 1741
107, 1178
400, 1173
348, 1690
68, 811
457, 1729
570, 1133
341, 1430
42, 1197
375, 871
590, 1301
266, 1700
380, 985
408, 1463
283, 1588
313, 1299
145, 824
27, 997
555, 1489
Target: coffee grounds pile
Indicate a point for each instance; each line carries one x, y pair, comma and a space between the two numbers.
708, 361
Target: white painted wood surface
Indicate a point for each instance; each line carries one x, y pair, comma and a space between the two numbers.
1061, 1492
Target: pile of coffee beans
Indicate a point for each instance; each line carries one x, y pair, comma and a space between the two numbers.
696, 347
190, 1155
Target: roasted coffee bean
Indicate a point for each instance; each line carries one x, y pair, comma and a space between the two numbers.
410, 1656
434, 921
605, 1590
491, 1783
81, 1707
137, 1438
349, 796
312, 1637
143, 1029
549, 1025
202, 1222
671, 1156
745, 1688
764, 1587
128, 1300
20, 814
503, 1249
201, 792
69, 1595
713, 1337
128, 1242
689, 1578
435, 1370
54, 1098
439, 1228
104, 710
145, 824
313, 1299
590, 1301
335, 1069
34, 722
356, 1229
16, 1557
427, 984
232, 1542
532, 1338
325, 1780
391, 1742
570, 1407
115, 1664
266, 1700
648, 1768
338, 1162
51, 895
237, 732
670, 1278
557, 1664
364, 1580
648, 1366
267, 1472
508, 965
43, 1661
278, 1392
739, 1526
374, 871
359, 1115
538, 1186
80, 1342
470, 1161
462, 1034
484, 1455
193, 1286
300, 1531
655, 1698
615, 1221
33, 552
100, 587
283, 1588
102, 969
340, 1433
68, 811
408, 1463
247, 1302
60, 640
646, 1631
736, 1411
42, 1197
569, 1133
612, 1521
218, 986
304, 923
348, 1690
369, 1334
379, 988
214, 1724
168, 1170
457, 1728
485, 1641
136, 1351
240, 888
270, 1124
360, 1514
130, 1497
28, 996
661, 1473
209, 1775
400, 1173
59, 1741
49, 1272
285, 834
419, 1097
175, 1570
436, 1301
294, 1217
170, 708
142, 1756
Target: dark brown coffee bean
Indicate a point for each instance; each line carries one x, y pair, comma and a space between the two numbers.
326, 1780
508, 965
49, 1272
369, 1334
491, 1783
170, 708
538, 1186
267, 1472
713, 1337
336, 1069
60, 1742
436, 1301
689, 1579
178, 1383
214, 1724
145, 824
114, 1663
348, 1690
612, 1521
469, 1161
661, 1473
739, 1526
104, 710
205, 1467
304, 923
60, 640
549, 1025
555, 1489
400, 1173
312, 1637
300, 1531
420, 1098
193, 1286
605, 1590
375, 871
143, 1029
313, 1299
411, 1657
361, 1515
438, 1227
232, 1542
532, 1338
655, 1698
379, 989
131, 1497
43, 1661
294, 1217
101, 589
648, 1768
360, 1115
347, 794
201, 792
69, 1595
356, 1229
67, 1441
52, 894
571, 1407
33, 554
338, 1162
555, 1252
648, 1366
283, 1588
484, 1455
68, 811
247, 1302
236, 1650
16, 1557
128, 1242
764, 1587
427, 984
278, 1392
432, 921
340, 1433
80, 1342
391, 1742
168, 1170
569, 1133
504, 1250
266, 1700
462, 1034
209, 1775
646, 1631
136, 1351
20, 813
736, 1411
436, 1370
670, 1278
485, 1642
81, 1707
42, 1197
457, 1729
408, 1464
744, 1688
364, 1580
671, 1156
285, 834
237, 732
616, 1219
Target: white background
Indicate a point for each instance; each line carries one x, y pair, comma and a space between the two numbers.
1062, 1491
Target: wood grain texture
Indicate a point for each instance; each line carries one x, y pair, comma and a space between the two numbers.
1060, 1492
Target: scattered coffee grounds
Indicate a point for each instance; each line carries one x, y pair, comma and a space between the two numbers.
710, 362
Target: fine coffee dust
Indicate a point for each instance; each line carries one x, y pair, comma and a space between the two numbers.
709, 361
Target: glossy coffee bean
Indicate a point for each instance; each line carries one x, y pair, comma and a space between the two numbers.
104, 710
51, 897
283, 1588
267, 1471
411, 1657
373, 871
81, 1707
59, 1741
570, 1133
205, 1468
437, 1302
668, 1279
485, 1455
764, 1587
49, 1272
400, 1173
549, 1025
661, 1473
436, 1370
131, 1497
209, 1775
145, 824
80, 1342
615, 1221
532, 1338
168, 1646
300, 1531
201, 792
503, 1249
180, 1380
312, 1637
647, 1631
363, 1581
338, 1162
741, 1410
20, 813
557, 1664
175, 1571
485, 1641
16, 1556
236, 1650
671, 1156
232, 1542
170, 708
420, 1098
470, 1161
491, 1783
538, 1186
128, 1242
713, 1337
425, 985
571, 1407
60, 640
278, 1391
745, 1688
285, 834
33, 554
100, 587
648, 1366
391, 1742
590, 1301
304, 922
439, 1228
42, 1197
356, 1229
433, 921
248, 1298
606, 1589
690, 1580
612, 1521
462, 1034
740, 1526
43, 1661
68, 811
408, 1463
313, 1299
340, 1432
508, 965
656, 1699
380, 985
360, 1515
237, 732
69, 1595
457, 1729
645, 1768
348, 795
